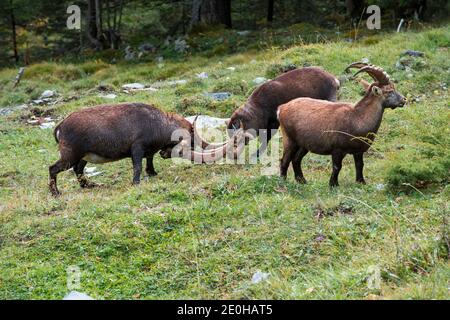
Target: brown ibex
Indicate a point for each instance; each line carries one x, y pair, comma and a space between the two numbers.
336, 128
260, 110
112, 132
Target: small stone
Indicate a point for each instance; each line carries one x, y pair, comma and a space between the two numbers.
109, 96
47, 125
365, 60
47, 94
243, 32
90, 169
218, 96
231, 68
180, 45
202, 75
379, 186
131, 86
147, 47
413, 53
176, 82
75, 295
259, 276
259, 80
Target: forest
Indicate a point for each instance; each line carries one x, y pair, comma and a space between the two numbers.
177, 229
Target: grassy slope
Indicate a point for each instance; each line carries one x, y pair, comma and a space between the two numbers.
201, 232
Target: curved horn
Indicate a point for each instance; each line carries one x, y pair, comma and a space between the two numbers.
357, 65
218, 153
376, 73
204, 144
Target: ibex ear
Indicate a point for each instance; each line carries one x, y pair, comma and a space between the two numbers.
377, 91
227, 122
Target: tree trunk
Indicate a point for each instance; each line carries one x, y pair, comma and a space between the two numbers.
211, 12
92, 31
270, 11
354, 7
14, 38
98, 18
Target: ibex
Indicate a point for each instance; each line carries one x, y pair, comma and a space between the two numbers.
112, 132
260, 110
336, 128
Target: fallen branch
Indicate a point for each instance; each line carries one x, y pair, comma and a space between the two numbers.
19, 76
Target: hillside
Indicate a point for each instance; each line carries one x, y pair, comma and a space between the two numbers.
203, 231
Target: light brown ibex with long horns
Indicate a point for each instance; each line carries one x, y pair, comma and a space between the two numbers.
336, 128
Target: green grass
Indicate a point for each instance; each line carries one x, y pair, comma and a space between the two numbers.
203, 231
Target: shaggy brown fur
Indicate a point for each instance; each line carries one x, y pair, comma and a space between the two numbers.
260, 110
334, 128
113, 132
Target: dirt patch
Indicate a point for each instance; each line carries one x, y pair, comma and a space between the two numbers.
342, 208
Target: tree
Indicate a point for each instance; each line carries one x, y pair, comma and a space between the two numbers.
270, 11
99, 11
211, 12
355, 8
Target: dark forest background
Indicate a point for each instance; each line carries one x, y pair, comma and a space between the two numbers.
36, 30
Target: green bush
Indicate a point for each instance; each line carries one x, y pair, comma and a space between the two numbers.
276, 69
419, 168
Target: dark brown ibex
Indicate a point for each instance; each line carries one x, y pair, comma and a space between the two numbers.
260, 110
336, 128
112, 132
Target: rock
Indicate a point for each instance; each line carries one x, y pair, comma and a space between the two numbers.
9, 110
259, 80
129, 54
131, 86
231, 68
176, 82
204, 121
91, 172
202, 75
159, 59
6, 111
243, 32
365, 60
147, 47
108, 96
47, 94
90, 169
413, 53
75, 295
218, 96
404, 63
379, 186
47, 125
180, 45
259, 276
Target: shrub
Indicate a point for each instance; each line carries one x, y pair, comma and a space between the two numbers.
276, 69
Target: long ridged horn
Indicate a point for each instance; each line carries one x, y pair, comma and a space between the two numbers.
219, 153
358, 65
377, 73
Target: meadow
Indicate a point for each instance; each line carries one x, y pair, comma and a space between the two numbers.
202, 232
